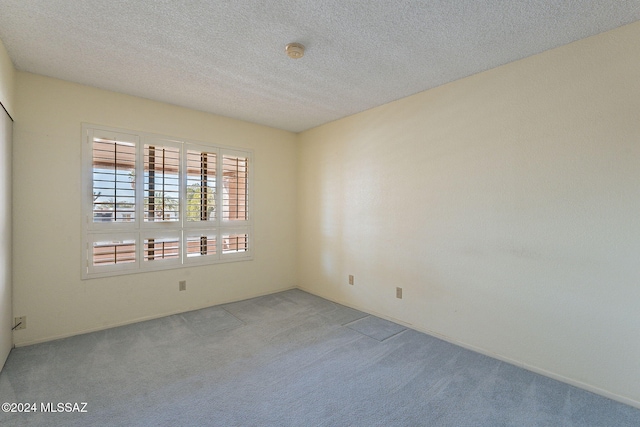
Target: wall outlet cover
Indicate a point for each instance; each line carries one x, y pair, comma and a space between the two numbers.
20, 323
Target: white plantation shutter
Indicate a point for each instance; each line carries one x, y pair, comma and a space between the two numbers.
109, 253
235, 225
161, 183
235, 175
110, 164
201, 244
201, 170
235, 242
113, 166
153, 203
161, 247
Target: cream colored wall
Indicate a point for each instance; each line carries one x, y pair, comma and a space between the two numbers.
6, 316
505, 205
7, 77
47, 220
6, 98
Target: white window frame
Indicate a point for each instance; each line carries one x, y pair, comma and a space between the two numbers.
139, 230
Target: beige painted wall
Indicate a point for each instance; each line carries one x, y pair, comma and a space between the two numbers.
505, 205
47, 219
6, 98
7, 77
6, 315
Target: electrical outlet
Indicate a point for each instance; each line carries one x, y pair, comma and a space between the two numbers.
20, 323
182, 285
351, 279
399, 293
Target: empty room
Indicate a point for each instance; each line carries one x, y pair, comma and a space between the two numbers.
320, 213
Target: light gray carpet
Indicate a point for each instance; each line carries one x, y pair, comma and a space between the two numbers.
288, 359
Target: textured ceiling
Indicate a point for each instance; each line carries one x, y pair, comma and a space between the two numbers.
227, 57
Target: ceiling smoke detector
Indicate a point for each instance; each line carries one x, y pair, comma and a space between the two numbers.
294, 50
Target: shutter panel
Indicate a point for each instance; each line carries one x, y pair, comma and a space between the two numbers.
201, 244
111, 252
235, 242
201, 186
113, 178
235, 196
162, 247
161, 183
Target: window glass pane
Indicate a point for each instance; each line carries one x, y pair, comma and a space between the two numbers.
114, 166
161, 183
234, 243
201, 186
112, 252
161, 248
201, 245
235, 192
